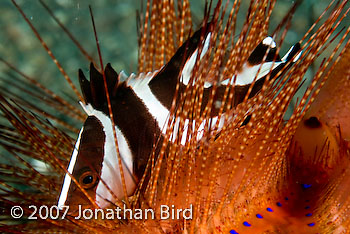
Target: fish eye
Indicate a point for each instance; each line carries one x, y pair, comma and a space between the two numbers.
87, 179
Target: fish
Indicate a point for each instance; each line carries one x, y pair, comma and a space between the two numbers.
141, 109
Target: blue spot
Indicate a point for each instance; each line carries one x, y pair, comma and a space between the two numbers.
245, 223
306, 186
259, 216
307, 207
308, 214
279, 204
311, 224
269, 209
286, 198
233, 232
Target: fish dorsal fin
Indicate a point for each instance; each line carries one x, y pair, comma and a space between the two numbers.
94, 90
85, 87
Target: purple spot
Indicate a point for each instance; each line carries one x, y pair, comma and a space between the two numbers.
307, 207
308, 214
279, 204
311, 224
245, 223
306, 186
269, 209
259, 216
233, 232
286, 198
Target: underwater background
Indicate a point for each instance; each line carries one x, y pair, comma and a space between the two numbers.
117, 29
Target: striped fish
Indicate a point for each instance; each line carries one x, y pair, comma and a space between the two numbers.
141, 107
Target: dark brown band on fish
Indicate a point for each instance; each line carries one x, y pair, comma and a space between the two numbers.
137, 125
88, 165
91, 150
258, 54
163, 85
